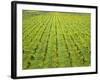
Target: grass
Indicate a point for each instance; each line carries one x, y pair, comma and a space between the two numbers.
55, 39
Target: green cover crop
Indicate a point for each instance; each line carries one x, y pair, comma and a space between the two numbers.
55, 39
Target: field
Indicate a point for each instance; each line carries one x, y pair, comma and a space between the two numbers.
55, 39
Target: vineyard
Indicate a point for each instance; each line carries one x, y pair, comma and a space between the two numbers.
55, 39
